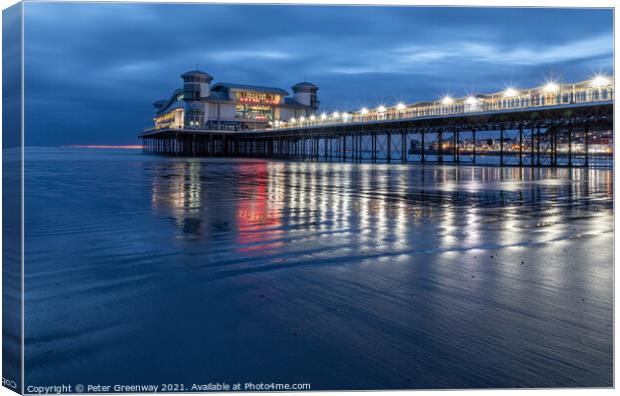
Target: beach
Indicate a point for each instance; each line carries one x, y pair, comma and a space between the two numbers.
157, 270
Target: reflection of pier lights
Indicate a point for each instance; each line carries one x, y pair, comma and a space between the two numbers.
365, 226
472, 225
258, 217
177, 186
401, 225
181, 190
323, 204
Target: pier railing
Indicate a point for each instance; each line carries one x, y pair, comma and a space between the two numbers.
597, 89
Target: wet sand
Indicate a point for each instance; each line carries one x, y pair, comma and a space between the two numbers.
148, 270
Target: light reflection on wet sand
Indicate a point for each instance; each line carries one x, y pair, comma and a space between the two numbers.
147, 269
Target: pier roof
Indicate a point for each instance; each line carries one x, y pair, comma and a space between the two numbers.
196, 73
217, 96
163, 105
292, 103
305, 85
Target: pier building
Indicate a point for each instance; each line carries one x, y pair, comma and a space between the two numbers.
200, 104
555, 124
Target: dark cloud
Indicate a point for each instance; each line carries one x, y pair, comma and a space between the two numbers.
93, 69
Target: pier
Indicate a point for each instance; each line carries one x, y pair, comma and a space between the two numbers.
553, 125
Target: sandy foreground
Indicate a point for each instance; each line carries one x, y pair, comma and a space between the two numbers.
147, 270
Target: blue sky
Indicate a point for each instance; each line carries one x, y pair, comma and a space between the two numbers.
93, 70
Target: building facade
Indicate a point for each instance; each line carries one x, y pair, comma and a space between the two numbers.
200, 104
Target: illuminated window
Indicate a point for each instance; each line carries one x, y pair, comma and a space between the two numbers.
168, 120
254, 112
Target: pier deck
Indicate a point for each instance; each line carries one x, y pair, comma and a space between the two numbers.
557, 135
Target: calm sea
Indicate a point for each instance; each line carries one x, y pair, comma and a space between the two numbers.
151, 270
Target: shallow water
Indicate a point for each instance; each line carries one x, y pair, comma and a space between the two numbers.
150, 270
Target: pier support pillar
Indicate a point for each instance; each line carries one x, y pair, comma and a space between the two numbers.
501, 146
520, 145
586, 137
537, 133
455, 145
440, 146
389, 147
403, 147
423, 148
473, 145
570, 145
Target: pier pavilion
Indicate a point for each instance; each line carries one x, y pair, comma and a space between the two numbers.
201, 105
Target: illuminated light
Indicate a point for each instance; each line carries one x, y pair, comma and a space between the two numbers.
312, 117
400, 107
510, 92
302, 119
381, 109
335, 114
364, 111
447, 100
471, 100
323, 116
599, 81
345, 116
551, 87
293, 120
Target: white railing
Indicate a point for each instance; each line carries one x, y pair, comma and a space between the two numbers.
597, 89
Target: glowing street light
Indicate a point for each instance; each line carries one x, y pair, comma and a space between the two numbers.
364, 111
323, 116
471, 100
551, 87
312, 117
302, 119
510, 92
345, 116
400, 106
599, 81
335, 114
447, 100
381, 109
293, 120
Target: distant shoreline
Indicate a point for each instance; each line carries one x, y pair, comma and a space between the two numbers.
95, 146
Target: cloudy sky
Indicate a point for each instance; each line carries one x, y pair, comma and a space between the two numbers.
93, 70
